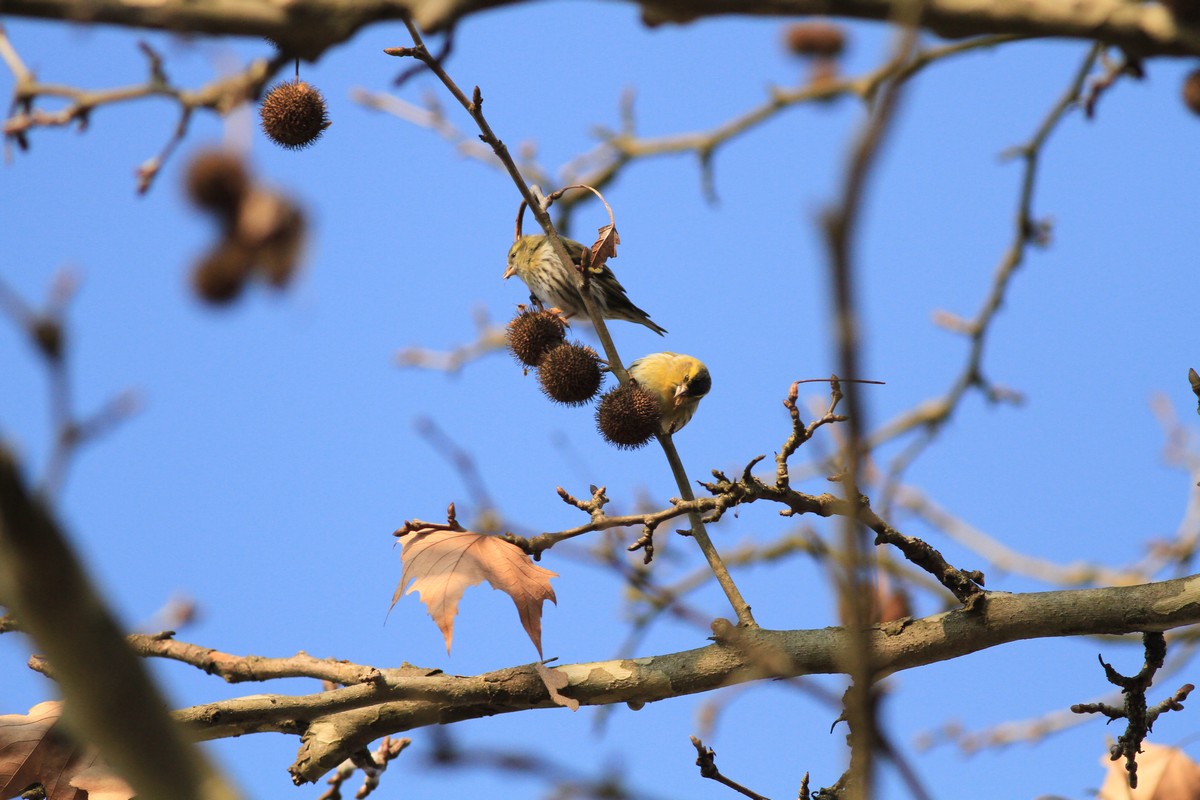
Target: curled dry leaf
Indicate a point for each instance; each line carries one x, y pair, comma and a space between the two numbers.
605, 247
32, 752
1164, 773
441, 563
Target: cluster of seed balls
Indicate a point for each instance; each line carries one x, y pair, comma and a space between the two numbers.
261, 231
569, 373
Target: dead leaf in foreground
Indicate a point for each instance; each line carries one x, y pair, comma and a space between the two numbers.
32, 752
1164, 773
441, 561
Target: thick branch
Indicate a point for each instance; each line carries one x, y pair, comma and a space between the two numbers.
348, 719
309, 27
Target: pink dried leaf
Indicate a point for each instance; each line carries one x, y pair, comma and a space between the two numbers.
440, 564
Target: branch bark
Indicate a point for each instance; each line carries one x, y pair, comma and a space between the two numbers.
308, 27
334, 724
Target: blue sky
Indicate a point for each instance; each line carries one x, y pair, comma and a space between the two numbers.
277, 446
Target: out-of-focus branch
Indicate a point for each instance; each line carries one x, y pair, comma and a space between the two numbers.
109, 696
307, 29
854, 579
1006, 559
617, 149
562, 781
433, 117
489, 338
46, 331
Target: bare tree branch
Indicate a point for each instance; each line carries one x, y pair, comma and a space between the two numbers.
336, 723
306, 29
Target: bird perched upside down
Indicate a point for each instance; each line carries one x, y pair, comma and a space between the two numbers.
532, 259
678, 381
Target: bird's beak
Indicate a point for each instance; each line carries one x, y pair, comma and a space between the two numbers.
512, 270
680, 392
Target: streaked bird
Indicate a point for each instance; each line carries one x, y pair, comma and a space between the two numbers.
532, 259
678, 381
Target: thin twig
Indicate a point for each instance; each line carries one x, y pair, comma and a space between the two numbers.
930, 417
706, 760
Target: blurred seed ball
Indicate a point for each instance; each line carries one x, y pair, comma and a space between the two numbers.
216, 180
815, 39
1191, 91
570, 374
220, 276
532, 334
628, 416
272, 228
279, 255
294, 115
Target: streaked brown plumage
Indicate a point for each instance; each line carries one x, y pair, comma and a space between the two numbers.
532, 259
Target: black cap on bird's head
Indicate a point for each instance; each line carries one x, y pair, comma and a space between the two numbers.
694, 385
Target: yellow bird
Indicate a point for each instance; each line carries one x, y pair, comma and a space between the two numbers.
532, 259
678, 381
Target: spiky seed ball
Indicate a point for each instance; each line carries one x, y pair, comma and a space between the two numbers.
294, 114
628, 416
819, 39
532, 334
219, 277
1191, 91
217, 180
570, 374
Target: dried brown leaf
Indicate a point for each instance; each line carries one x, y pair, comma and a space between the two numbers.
441, 564
605, 247
100, 783
1164, 773
32, 752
